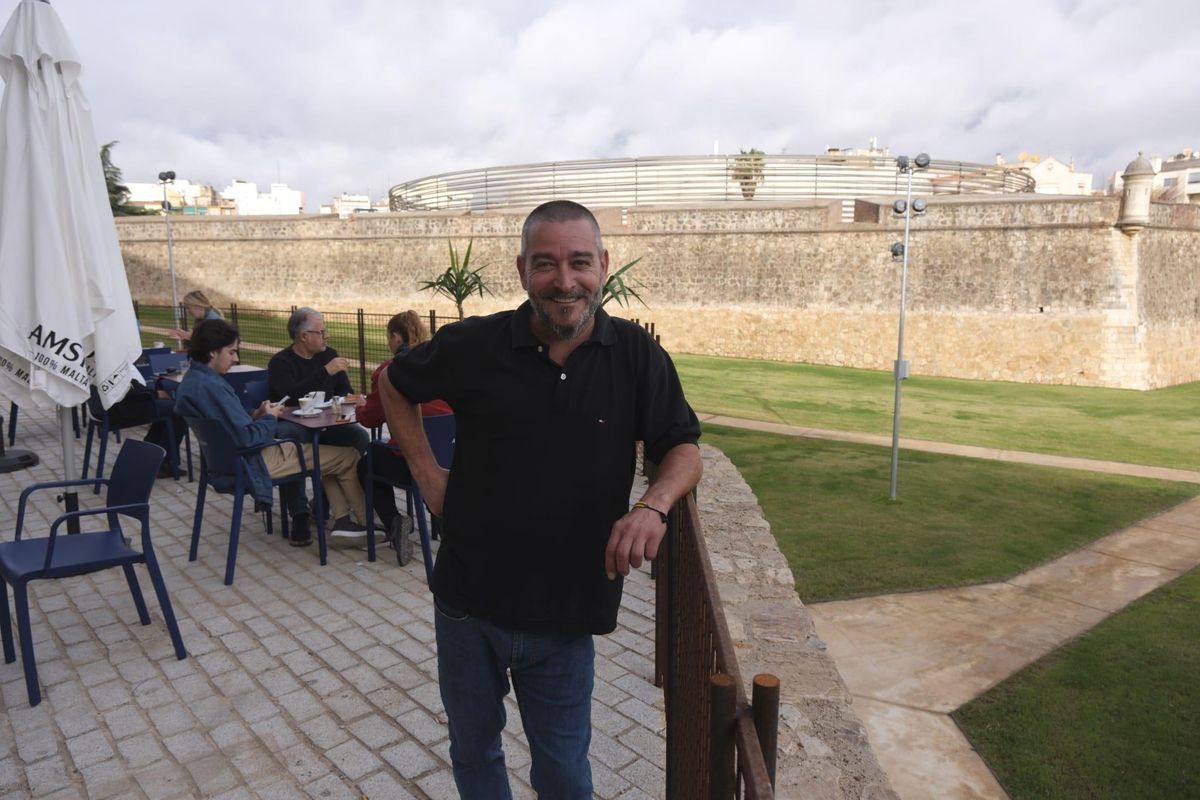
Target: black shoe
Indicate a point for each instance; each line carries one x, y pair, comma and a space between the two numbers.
400, 535
348, 533
301, 530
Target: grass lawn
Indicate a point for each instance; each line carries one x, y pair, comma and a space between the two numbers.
957, 520
1159, 427
1113, 714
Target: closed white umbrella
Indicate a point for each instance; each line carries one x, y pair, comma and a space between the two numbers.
66, 317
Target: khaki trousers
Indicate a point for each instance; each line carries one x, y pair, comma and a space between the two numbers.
339, 475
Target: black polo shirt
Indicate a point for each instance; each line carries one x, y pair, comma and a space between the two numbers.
543, 462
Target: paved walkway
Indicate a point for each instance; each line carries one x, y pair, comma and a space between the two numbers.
967, 450
302, 681
910, 659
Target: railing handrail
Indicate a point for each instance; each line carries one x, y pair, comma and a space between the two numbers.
689, 768
674, 180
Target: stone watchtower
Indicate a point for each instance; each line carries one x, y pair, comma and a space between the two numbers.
1135, 196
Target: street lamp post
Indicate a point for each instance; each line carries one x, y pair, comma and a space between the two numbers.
164, 178
906, 208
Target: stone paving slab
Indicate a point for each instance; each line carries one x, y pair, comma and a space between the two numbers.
301, 681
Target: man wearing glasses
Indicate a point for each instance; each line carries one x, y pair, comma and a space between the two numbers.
310, 365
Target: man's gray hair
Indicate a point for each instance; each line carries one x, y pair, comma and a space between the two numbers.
298, 321
559, 211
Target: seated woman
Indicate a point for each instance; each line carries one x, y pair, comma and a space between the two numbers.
404, 330
200, 308
141, 406
204, 393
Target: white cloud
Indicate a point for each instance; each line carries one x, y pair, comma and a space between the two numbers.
354, 95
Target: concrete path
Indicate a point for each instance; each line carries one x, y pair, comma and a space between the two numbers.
966, 450
910, 659
302, 681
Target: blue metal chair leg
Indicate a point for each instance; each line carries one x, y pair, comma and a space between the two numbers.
28, 663
100, 456
164, 603
87, 450
231, 559
198, 517
10, 655
135, 589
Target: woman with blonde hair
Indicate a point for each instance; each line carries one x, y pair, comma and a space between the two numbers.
200, 308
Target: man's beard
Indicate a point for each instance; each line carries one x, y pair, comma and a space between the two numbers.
565, 332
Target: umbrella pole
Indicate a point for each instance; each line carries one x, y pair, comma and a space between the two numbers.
70, 471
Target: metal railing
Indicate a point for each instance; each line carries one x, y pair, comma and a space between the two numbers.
356, 335
719, 746
359, 336
677, 180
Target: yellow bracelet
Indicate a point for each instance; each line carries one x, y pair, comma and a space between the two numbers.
662, 514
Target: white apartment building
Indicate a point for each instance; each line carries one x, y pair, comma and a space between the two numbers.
281, 200
347, 205
1051, 175
1176, 178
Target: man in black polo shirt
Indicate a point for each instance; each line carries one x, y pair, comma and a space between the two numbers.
537, 531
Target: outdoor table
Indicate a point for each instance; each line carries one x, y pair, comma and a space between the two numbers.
315, 425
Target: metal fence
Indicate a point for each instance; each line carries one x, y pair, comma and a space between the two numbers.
357, 335
719, 746
676, 180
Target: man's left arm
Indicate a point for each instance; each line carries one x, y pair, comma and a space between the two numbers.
636, 536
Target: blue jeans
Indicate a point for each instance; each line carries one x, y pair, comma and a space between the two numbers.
552, 676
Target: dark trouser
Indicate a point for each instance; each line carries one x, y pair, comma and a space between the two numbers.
158, 429
294, 498
553, 676
390, 470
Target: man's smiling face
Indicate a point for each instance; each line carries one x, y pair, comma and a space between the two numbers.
564, 272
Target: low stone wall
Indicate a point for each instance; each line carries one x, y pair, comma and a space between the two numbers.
1022, 288
824, 753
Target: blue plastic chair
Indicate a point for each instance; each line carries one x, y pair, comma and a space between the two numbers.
253, 394
440, 431
99, 419
220, 457
23, 559
167, 362
12, 422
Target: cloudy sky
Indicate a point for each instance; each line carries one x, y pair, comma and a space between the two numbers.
357, 95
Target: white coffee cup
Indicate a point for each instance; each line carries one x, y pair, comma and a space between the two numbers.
307, 402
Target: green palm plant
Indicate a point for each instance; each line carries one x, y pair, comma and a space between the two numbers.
459, 281
747, 170
622, 289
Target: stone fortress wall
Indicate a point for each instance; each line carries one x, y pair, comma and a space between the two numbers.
1023, 288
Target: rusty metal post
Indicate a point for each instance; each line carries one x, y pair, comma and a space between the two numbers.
432, 321
765, 704
722, 771
362, 353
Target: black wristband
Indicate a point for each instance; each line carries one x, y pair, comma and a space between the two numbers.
662, 514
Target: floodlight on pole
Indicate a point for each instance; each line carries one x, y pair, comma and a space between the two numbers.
164, 178
905, 208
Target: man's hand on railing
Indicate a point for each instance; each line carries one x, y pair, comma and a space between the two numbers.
635, 538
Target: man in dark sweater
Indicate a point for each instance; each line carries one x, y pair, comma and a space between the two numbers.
310, 365
549, 400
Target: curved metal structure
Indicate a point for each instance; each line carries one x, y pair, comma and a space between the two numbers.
688, 180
